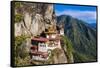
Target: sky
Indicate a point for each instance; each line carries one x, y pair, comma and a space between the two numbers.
85, 13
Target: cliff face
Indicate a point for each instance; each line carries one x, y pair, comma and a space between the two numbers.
36, 18
31, 19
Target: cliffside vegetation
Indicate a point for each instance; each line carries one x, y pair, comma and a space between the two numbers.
18, 14
68, 49
18, 18
20, 53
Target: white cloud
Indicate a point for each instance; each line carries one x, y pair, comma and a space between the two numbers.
83, 15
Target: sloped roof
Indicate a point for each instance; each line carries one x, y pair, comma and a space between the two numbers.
41, 39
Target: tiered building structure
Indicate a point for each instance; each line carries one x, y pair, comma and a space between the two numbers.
41, 45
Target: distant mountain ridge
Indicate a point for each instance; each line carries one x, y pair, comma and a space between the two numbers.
83, 37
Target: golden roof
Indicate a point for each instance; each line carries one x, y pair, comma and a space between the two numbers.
51, 29
51, 32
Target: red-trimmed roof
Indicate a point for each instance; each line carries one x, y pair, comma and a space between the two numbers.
34, 47
41, 39
40, 53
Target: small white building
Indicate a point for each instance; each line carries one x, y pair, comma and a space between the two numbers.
61, 31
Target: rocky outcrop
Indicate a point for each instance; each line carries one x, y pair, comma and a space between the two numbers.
31, 20
36, 18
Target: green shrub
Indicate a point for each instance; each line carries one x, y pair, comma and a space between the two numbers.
19, 40
69, 48
21, 57
78, 57
18, 18
18, 5
54, 53
22, 62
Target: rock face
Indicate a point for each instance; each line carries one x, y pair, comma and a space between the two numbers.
36, 18
32, 20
